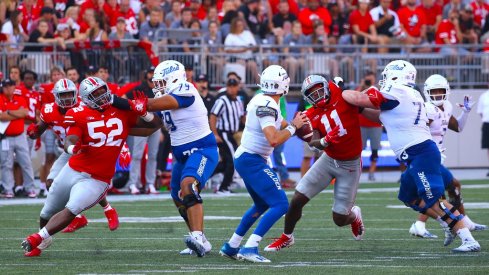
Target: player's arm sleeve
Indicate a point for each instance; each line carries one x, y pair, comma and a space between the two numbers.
183, 101
266, 116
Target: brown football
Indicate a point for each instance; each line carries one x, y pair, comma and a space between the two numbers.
305, 132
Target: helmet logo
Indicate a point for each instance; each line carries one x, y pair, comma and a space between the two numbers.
170, 69
396, 67
139, 107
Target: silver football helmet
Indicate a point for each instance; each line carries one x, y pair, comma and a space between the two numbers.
65, 93
95, 93
315, 90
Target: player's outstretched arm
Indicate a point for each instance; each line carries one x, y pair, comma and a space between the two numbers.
457, 124
360, 99
36, 130
166, 102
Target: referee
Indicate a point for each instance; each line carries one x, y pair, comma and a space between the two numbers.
225, 117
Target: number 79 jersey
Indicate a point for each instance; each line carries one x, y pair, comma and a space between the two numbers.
104, 133
340, 113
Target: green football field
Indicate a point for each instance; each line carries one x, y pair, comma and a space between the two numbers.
150, 237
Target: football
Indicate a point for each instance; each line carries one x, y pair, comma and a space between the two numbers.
305, 132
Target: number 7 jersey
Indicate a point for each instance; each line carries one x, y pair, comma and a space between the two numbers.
104, 133
340, 113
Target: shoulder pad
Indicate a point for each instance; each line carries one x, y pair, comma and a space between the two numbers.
182, 88
263, 111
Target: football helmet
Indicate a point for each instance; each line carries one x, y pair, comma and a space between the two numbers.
436, 82
65, 93
167, 73
90, 95
399, 72
274, 80
315, 90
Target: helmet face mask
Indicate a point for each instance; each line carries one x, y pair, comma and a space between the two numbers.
100, 98
65, 93
95, 93
436, 89
315, 90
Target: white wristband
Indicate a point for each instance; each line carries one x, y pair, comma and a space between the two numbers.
291, 129
148, 117
323, 143
69, 150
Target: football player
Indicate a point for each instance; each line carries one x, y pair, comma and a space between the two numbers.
440, 118
265, 129
96, 133
52, 117
403, 114
336, 122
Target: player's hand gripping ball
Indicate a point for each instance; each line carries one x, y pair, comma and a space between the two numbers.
305, 132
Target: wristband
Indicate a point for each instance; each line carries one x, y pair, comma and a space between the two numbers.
148, 117
323, 143
69, 150
291, 129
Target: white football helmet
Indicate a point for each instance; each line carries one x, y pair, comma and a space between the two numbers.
93, 84
65, 93
167, 73
400, 72
274, 80
435, 82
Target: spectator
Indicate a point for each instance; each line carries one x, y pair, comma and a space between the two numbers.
47, 14
294, 52
313, 13
226, 22
387, 24
453, 5
189, 72
449, 35
128, 14
73, 75
95, 5
203, 87
480, 10
225, 118
283, 15
193, 44
198, 11
103, 73
239, 44
138, 147
145, 12
483, 111
42, 36
413, 22
154, 28
269, 42
14, 75
250, 12
362, 25
63, 30
184, 22
468, 26
370, 130
293, 6
7, 7
72, 17
14, 32
86, 17
318, 41
13, 108
433, 15
31, 11
338, 24
211, 16
96, 32
215, 60
175, 15
120, 31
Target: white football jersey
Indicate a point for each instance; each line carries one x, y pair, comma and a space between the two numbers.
188, 124
253, 140
407, 123
439, 121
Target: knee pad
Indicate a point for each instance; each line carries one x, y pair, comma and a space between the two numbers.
183, 212
375, 155
194, 197
450, 215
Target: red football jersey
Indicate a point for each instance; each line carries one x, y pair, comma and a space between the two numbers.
431, 13
104, 133
51, 115
446, 29
480, 12
363, 21
33, 100
338, 112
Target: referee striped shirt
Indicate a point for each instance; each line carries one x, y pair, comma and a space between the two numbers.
229, 112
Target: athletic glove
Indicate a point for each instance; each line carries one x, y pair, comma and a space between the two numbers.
140, 103
37, 146
468, 104
333, 136
32, 130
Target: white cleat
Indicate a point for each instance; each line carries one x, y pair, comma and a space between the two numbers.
195, 245
449, 236
251, 254
357, 227
188, 251
421, 232
468, 246
479, 227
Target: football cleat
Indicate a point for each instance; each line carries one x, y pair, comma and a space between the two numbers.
196, 246
36, 252
32, 194
229, 252
449, 236
468, 246
134, 190
152, 190
479, 227
357, 227
45, 243
280, 243
420, 232
250, 254
77, 223
31, 242
207, 247
112, 219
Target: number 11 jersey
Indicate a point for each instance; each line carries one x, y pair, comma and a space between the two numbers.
340, 113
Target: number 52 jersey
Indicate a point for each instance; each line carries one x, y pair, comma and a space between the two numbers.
104, 133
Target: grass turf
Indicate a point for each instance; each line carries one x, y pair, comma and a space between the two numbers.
321, 247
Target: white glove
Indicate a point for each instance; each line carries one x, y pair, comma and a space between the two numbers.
468, 103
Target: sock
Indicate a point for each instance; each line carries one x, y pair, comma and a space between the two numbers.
442, 222
235, 240
468, 222
288, 235
42, 186
44, 233
107, 207
465, 234
253, 241
197, 235
421, 225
